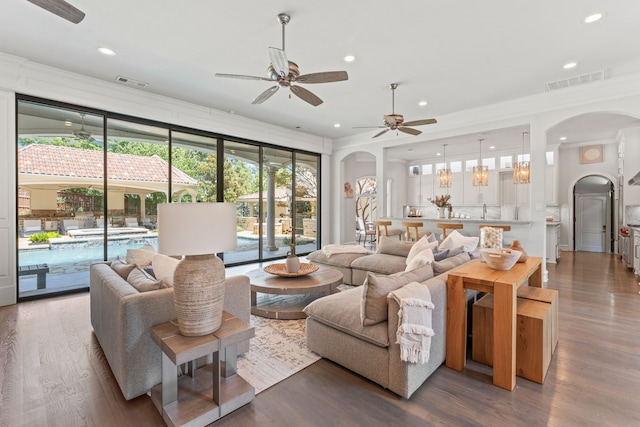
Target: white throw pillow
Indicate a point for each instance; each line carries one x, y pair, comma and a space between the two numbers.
141, 257
418, 247
455, 239
422, 258
163, 268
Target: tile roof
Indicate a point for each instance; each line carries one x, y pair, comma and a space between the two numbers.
53, 160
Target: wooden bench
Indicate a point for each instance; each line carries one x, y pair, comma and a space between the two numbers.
40, 270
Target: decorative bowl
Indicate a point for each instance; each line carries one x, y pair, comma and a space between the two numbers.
500, 259
281, 269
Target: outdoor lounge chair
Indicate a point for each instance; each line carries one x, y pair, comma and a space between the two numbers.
31, 226
69, 224
131, 222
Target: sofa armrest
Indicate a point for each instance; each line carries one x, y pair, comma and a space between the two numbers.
237, 297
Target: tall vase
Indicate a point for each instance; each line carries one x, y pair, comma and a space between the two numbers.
441, 212
292, 263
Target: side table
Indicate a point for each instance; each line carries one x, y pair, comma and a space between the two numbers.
211, 391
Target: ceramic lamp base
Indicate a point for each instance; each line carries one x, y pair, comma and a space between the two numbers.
198, 286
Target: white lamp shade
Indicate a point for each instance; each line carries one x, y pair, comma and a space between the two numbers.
196, 228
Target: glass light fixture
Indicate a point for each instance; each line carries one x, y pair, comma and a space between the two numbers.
480, 173
522, 169
444, 174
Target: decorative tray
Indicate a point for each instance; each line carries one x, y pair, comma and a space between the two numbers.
281, 269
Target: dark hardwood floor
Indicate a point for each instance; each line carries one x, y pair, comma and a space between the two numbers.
53, 371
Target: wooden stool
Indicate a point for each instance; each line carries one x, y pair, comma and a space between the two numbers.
448, 226
415, 225
383, 230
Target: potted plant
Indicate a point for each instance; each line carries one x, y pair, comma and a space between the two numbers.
442, 202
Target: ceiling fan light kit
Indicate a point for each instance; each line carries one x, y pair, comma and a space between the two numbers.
286, 73
395, 121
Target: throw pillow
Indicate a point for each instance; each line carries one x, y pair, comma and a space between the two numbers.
440, 267
142, 281
163, 268
431, 238
419, 246
141, 257
456, 251
439, 256
455, 239
391, 246
122, 268
373, 306
423, 258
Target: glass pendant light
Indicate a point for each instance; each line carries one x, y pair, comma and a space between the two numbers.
522, 169
444, 174
480, 173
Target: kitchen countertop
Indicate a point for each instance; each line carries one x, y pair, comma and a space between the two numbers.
468, 220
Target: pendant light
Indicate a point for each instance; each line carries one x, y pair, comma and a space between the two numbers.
444, 174
480, 173
522, 169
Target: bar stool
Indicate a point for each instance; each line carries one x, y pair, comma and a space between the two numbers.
415, 225
382, 229
448, 226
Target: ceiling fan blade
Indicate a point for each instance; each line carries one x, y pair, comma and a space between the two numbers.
265, 95
61, 8
381, 133
324, 77
409, 130
243, 77
279, 61
421, 122
306, 95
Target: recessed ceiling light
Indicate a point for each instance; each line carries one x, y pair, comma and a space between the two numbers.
106, 51
569, 65
493, 147
593, 18
438, 154
422, 103
68, 123
349, 58
336, 125
563, 138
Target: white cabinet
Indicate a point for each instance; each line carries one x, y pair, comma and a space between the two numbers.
413, 190
636, 251
489, 193
512, 194
553, 243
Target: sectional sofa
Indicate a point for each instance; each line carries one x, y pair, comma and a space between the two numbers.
339, 329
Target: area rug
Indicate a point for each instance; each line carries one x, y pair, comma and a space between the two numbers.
278, 350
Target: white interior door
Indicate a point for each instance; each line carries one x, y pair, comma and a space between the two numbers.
591, 222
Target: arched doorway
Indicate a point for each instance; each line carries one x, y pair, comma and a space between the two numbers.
594, 214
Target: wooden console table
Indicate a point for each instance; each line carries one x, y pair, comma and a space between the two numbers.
206, 395
504, 285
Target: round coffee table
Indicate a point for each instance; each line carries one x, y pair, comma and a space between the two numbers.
295, 292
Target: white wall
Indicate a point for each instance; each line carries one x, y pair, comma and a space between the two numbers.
631, 165
8, 288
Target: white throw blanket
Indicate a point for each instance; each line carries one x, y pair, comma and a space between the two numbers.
414, 322
333, 249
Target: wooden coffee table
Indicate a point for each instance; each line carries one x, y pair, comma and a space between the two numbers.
325, 281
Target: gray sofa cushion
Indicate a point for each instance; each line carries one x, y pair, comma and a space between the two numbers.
142, 281
445, 265
342, 260
390, 246
342, 311
380, 263
374, 308
122, 268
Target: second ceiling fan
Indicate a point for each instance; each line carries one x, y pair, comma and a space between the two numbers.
286, 73
395, 121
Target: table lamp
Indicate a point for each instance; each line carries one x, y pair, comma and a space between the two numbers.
198, 231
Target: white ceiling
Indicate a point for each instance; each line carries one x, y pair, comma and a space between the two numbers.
454, 54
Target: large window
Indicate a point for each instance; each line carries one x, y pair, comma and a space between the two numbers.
90, 182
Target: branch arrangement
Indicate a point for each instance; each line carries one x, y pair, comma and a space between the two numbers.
441, 201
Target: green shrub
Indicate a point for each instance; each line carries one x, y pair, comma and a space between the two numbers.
43, 237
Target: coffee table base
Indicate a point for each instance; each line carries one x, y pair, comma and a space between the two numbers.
282, 307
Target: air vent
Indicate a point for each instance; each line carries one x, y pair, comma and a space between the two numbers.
131, 82
577, 80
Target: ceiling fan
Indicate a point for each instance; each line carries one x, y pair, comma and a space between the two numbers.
82, 133
395, 121
61, 8
286, 73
